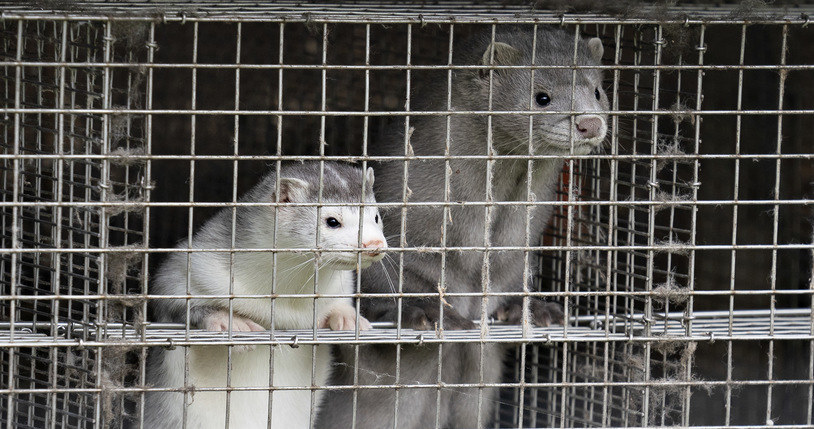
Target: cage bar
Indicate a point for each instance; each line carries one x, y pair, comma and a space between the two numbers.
680, 251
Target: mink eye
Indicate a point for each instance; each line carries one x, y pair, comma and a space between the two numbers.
542, 99
332, 222
596, 94
377, 219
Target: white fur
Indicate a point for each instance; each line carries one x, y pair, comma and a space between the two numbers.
248, 409
304, 366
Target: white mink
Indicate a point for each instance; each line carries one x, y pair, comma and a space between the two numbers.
209, 274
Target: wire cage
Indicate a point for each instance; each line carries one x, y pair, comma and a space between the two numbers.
681, 251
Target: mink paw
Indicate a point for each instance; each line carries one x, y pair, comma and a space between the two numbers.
425, 318
543, 313
344, 318
219, 322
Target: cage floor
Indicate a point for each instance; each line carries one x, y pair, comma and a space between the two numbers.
780, 324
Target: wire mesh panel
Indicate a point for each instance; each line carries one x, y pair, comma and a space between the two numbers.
62, 241
664, 224
140, 140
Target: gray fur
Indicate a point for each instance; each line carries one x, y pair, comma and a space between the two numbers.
553, 134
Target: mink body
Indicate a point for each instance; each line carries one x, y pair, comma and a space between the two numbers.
251, 273
469, 180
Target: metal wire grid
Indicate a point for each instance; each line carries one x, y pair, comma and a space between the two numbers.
788, 324
576, 269
369, 11
605, 238
41, 276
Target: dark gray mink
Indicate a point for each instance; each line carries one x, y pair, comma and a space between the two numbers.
560, 90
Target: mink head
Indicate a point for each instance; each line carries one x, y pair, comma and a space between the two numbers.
330, 226
556, 91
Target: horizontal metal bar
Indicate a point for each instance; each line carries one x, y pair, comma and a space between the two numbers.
686, 157
383, 295
569, 20
654, 383
721, 316
435, 204
372, 67
445, 14
404, 336
796, 324
446, 385
674, 248
238, 339
232, 112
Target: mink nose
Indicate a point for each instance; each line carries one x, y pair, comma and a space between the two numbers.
374, 245
589, 127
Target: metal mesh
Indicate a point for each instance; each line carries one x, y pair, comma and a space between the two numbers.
685, 270
36, 282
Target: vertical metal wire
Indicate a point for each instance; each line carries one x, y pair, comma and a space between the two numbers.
536, 396
487, 222
630, 257
38, 182
7, 182
193, 103
365, 132
569, 221
446, 214
651, 222
57, 261
776, 220
672, 236
613, 222
365, 137
526, 318
91, 36
15, 227
235, 145
362, 206
87, 217
734, 240
810, 411
147, 186
4, 221
104, 225
127, 239
701, 48
517, 412
275, 229
408, 150
322, 144
73, 213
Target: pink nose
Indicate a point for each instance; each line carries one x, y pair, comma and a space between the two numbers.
374, 246
589, 127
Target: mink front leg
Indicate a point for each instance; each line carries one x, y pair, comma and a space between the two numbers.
421, 314
343, 317
543, 313
219, 321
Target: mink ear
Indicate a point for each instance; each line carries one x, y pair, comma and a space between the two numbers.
369, 177
500, 54
292, 190
596, 48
